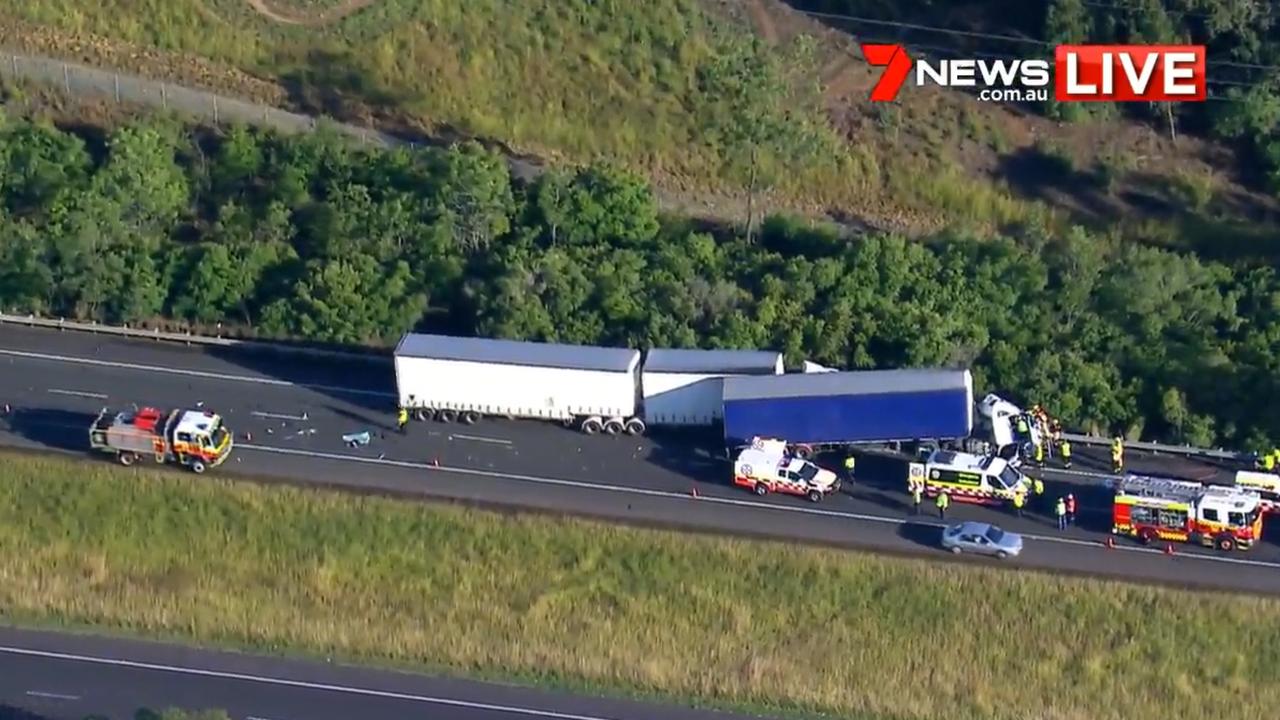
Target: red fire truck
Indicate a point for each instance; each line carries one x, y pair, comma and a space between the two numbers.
195, 439
1152, 509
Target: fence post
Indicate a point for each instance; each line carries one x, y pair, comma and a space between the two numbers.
215, 109
164, 101
15, 66
66, 78
117, 78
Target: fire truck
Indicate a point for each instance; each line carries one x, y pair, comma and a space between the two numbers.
985, 480
195, 439
1152, 509
766, 467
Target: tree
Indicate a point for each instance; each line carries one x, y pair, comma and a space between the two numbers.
599, 204
142, 181
475, 196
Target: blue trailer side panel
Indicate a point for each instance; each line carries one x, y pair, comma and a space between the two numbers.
849, 418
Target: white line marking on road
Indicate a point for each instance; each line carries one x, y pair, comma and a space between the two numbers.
477, 438
279, 416
78, 393
255, 717
306, 685
193, 373
55, 696
722, 501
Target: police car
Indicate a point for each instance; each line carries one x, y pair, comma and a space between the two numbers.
765, 467
969, 478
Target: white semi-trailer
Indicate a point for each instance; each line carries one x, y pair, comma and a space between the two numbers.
456, 378
685, 387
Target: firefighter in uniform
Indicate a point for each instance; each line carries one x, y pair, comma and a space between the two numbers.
1019, 500
1071, 509
1039, 450
917, 496
1061, 511
1064, 452
1268, 462
943, 501
1117, 455
1023, 428
402, 419
849, 463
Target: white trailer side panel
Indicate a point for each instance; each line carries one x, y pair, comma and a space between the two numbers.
525, 391
682, 399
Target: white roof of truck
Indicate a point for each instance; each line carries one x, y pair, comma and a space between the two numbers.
867, 382
196, 421
515, 352
711, 362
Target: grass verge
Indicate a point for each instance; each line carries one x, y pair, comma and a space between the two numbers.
733, 622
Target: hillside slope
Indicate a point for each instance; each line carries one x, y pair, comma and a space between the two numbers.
705, 96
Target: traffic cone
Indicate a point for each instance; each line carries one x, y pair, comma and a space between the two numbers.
248, 436
1168, 548
695, 491
1110, 543
435, 462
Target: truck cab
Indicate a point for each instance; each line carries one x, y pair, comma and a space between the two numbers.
969, 478
765, 467
1001, 417
202, 435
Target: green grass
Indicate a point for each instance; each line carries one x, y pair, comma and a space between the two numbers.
570, 79
581, 604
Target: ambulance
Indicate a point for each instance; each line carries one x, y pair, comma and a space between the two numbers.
766, 467
1151, 509
986, 480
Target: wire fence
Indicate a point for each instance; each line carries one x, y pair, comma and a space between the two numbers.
83, 81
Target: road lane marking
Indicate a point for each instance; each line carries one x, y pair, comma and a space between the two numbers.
478, 438
278, 416
54, 696
78, 393
193, 373
725, 501
303, 684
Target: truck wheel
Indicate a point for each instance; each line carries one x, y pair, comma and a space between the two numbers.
591, 425
470, 417
1147, 536
804, 452
127, 458
1225, 543
613, 426
815, 496
446, 416
762, 489
197, 466
424, 414
635, 426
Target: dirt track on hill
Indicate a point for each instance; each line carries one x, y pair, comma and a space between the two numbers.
264, 8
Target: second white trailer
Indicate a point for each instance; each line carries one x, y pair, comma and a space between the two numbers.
455, 378
685, 387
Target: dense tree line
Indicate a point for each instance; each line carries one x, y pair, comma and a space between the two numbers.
306, 236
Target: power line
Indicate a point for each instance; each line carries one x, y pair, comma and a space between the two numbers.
992, 36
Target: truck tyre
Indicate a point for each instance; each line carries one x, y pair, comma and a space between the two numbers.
1225, 543
127, 458
762, 489
197, 466
446, 416
815, 496
591, 425
635, 426
804, 452
613, 426
470, 417
1147, 536
424, 414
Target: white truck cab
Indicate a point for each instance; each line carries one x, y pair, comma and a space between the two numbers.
1002, 416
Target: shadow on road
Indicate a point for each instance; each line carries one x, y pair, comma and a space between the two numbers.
9, 712
920, 533
58, 429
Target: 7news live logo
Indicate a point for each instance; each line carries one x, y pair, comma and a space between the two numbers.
1079, 73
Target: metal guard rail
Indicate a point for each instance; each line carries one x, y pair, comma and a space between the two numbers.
375, 356
189, 338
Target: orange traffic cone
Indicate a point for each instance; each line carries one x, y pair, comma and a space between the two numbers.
695, 491
6, 408
248, 436
1168, 549
435, 462
1109, 543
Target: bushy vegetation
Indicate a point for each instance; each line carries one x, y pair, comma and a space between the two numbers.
584, 604
307, 237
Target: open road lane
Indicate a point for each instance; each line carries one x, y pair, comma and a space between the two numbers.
538, 465
57, 676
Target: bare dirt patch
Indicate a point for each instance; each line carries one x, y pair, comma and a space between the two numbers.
306, 13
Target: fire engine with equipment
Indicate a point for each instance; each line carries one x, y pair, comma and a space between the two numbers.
1151, 509
765, 467
988, 480
195, 439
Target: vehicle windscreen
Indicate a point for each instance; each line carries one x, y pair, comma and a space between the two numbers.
1009, 477
808, 472
995, 535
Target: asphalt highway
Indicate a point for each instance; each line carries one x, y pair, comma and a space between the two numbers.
297, 411
52, 676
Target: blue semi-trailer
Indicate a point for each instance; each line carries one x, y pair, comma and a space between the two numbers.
827, 410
